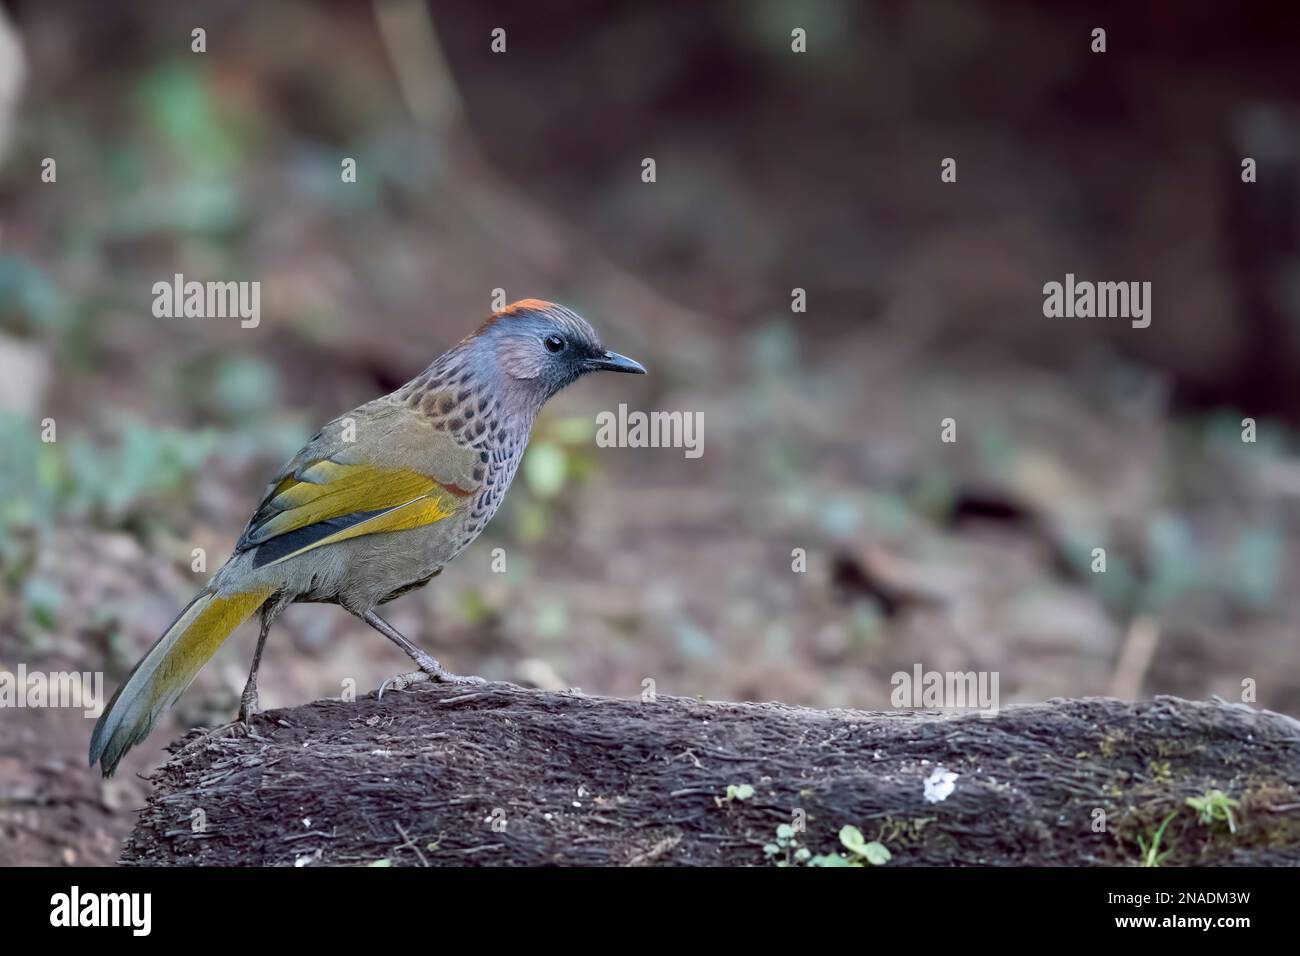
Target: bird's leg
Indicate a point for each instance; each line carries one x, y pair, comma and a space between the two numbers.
248, 699
430, 669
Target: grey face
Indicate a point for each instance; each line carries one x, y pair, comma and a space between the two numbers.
546, 348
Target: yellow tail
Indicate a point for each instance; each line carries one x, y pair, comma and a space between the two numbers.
163, 674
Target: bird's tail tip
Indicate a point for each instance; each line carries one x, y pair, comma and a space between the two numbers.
167, 669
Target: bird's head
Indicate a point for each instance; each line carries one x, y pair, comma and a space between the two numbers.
540, 347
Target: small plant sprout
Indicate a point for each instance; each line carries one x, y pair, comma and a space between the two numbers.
786, 851
1152, 855
1215, 806
860, 852
873, 853
736, 791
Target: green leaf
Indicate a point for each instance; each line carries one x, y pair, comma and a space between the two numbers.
852, 838
575, 430
383, 862
243, 387
552, 619
545, 469
876, 853
474, 607
531, 519
177, 102
44, 596
740, 792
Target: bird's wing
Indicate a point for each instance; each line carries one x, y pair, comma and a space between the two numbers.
380, 468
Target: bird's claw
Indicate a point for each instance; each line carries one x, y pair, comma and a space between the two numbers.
433, 671
401, 682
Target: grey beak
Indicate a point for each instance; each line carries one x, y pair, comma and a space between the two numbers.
613, 362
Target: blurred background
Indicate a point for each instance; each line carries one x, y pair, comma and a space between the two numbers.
775, 171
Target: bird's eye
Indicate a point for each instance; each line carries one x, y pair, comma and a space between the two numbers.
553, 343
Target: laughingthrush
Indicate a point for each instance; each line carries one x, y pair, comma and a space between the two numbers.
375, 505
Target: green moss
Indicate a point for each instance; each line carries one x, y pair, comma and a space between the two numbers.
904, 832
1113, 743
1160, 770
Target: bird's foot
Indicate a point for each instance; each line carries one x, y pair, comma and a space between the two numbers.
216, 733
430, 670
401, 682
469, 679
248, 708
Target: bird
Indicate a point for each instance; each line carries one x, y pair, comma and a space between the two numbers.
373, 506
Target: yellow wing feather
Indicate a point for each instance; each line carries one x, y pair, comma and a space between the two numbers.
413, 514
347, 489
334, 502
